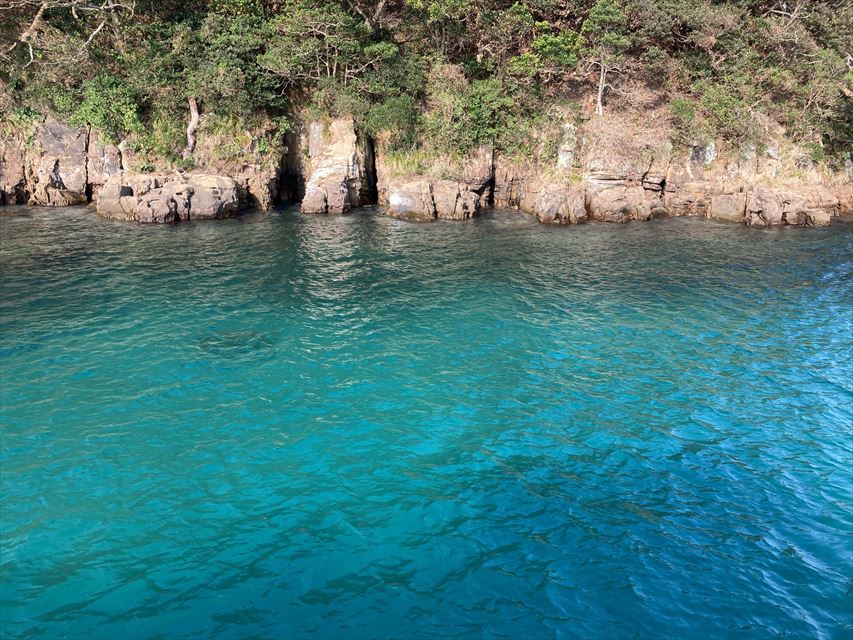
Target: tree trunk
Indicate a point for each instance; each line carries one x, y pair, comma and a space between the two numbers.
602, 76
191, 127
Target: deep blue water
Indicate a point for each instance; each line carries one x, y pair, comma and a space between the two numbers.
356, 427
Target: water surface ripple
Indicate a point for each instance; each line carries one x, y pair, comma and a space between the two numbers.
311, 427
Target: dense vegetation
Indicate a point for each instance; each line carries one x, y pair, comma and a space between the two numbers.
435, 75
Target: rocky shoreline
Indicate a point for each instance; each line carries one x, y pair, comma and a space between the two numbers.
329, 167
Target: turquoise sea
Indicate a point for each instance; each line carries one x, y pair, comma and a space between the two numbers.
284, 426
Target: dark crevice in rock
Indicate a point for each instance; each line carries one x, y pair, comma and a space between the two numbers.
291, 184
370, 189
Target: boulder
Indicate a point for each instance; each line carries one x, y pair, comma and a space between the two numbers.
411, 200
617, 203
454, 201
163, 199
730, 206
763, 208
703, 153
560, 205
809, 207
212, 197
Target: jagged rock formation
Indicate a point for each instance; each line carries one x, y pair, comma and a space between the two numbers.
613, 181
340, 168
162, 199
61, 165
52, 167
423, 199
603, 175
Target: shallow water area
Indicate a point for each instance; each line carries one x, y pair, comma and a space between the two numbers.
358, 427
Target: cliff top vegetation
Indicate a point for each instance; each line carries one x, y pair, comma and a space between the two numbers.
436, 76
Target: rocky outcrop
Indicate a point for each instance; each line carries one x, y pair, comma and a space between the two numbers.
13, 181
257, 186
340, 167
556, 204
59, 165
103, 161
425, 198
55, 165
730, 207
57, 173
164, 199
596, 174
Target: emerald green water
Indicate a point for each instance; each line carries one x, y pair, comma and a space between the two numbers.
356, 427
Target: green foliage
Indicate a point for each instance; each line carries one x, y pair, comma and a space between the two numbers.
21, 121
816, 152
464, 114
526, 65
443, 75
220, 63
486, 110
398, 118
165, 132
688, 125
560, 49
110, 106
603, 31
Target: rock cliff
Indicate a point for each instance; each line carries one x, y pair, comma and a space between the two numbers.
339, 168
56, 164
600, 172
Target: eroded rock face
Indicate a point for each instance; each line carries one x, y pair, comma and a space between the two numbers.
424, 198
618, 203
844, 195
56, 166
13, 182
340, 169
731, 207
763, 208
103, 161
164, 199
560, 205
257, 186
411, 200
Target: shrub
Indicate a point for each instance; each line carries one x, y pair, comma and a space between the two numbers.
110, 106
399, 118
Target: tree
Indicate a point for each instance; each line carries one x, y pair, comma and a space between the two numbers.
315, 40
32, 14
605, 42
